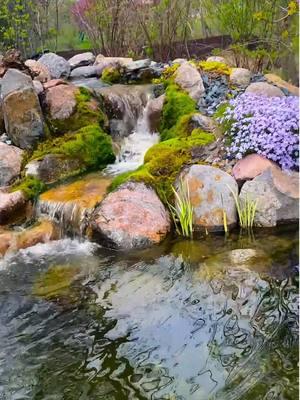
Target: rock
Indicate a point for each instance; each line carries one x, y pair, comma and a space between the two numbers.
11, 205
90, 83
277, 202
200, 121
81, 60
131, 217
52, 167
10, 163
6, 241
112, 61
54, 82
277, 81
60, 101
13, 59
2, 124
216, 59
38, 87
154, 109
86, 72
240, 77
22, 111
210, 196
57, 66
247, 257
139, 64
264, 89
251, 166
179, 61
189, 79
38, 70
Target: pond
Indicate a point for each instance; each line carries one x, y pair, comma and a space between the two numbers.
212, 318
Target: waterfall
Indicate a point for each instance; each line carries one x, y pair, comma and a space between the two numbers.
134, 147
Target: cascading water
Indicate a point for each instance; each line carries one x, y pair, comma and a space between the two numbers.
134, 147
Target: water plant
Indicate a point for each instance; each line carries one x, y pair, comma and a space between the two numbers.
246, 210
182, 211
264, 125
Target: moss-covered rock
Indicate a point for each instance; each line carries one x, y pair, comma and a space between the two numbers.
164, 161
111, 75
30, 186
70, 108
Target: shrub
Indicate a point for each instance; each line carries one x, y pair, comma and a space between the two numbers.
264, 125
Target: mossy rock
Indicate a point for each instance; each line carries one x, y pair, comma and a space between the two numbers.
163, 163
111, 75
177, 104
91, 145
86, 112
30, 186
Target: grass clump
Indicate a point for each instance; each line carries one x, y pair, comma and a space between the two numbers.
163, 162
246, 210
91, 145
87, 112
111, 75
215, 67
177, 104
182, 212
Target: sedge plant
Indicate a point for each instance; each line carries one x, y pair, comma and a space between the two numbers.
182, 211
246, 210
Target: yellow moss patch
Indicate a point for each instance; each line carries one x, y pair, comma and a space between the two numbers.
214, 67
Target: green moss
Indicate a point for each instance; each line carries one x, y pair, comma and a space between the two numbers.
90, 144
168, 74
215, 67
85, 114
164, 161
177, 104
111, 75
30, 186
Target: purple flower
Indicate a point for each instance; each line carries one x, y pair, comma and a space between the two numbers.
264, 125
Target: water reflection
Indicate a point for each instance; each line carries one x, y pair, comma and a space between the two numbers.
188, 320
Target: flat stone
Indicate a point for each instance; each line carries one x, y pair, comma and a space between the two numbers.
277, 81
112, 61
86, 72
139, 64
54, 82
131, 217
81, 60
264, 89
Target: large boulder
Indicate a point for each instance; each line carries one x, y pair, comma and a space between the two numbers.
10, 163
131, 217
57, 66
251, 166
139, 64
277, 196
81, 60
264, 89
38, 70
189, 79
22, 111
240, 77
12, 205
211, 197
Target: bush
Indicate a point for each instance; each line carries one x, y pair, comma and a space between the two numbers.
264, 125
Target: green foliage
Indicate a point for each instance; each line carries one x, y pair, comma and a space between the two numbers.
111, 75
182, 212
177, 104
164, 161
91, 145
84, 114
215, 67
30, 186
246, 211
168, 74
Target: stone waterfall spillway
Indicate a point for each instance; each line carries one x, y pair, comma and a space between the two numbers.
69, 205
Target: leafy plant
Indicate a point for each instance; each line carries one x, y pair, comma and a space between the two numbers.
182, 211
246, 210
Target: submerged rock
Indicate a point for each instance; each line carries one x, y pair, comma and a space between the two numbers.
10, 163
57, 66
22, 111
277, 197
189, 79
211, 197
131, 217
81, 60
264, 89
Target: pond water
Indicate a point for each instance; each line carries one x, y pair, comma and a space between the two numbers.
186, 320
